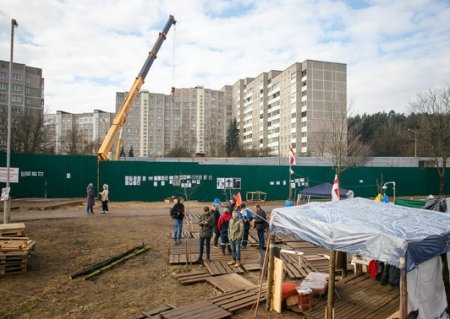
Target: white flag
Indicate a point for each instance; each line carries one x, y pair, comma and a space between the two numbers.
292, 156
335, 190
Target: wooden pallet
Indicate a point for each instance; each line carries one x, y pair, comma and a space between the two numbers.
360, 298
12, 269
14, 243
155, 313
251, 266
187, 278
201, 310
296, 266
221, 267
239, 299
14, 229
230, 282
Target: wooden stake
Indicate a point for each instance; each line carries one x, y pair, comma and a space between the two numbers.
261, 278
104, 263
331, 277
99, 271
271, 269
404, 290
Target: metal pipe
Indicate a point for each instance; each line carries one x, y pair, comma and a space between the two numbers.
7, 203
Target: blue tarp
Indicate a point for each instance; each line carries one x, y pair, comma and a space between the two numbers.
375, 230
324, 190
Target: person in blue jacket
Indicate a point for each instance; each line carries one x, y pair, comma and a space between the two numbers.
246, 216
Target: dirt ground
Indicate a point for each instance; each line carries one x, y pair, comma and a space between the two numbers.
67, 240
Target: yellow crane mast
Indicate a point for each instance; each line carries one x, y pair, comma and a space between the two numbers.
127, 104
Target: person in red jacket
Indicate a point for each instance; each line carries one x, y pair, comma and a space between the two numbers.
222, 224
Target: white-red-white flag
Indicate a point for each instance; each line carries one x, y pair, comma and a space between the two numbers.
292, 160
335, 190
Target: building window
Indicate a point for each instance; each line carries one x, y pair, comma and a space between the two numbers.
28, 90
16, 98
2, 75
3, 86
28, 79
17, 77
17, 88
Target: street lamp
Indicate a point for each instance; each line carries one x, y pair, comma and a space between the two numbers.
415, 141
7, 203
393, 186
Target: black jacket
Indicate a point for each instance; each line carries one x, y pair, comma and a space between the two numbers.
260, 220
177, 211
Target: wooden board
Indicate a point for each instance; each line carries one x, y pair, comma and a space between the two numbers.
221, 267
201, 310
12, 244
155, 313
240, 299
360, 298
230, 282
277, 282
187, 278
14, 229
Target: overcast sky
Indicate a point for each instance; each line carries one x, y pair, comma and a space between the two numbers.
89, 50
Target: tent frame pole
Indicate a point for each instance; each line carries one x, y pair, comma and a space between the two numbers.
404, 290
329, 311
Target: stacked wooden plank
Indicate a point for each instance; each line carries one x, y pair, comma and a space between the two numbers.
15, 249
12, 230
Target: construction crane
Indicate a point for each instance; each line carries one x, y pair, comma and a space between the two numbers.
127, 104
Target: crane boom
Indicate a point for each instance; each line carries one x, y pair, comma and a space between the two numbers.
127, 104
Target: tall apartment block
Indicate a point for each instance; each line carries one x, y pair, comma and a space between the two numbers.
27, 95
78, 131
195, 118
295, 107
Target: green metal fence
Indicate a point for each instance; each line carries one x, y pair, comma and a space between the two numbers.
56, 176
51, 176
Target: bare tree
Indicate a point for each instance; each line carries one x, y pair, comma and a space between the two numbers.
433, 109
27, 132
339, 142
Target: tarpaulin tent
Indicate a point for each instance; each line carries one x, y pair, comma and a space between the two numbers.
380, 231
324, 191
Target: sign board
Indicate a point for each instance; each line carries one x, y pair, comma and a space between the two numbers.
228, 183
5, 193
13, 174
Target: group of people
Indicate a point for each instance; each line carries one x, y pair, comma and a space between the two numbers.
90, 199
232, 226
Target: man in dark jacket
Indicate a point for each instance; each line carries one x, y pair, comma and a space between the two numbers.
177, 214
216, 214
261, 224
206, 223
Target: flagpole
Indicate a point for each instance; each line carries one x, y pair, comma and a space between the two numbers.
289, 184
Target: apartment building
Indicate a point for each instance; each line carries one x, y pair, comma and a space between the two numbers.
77, 133
193, 118
27, 95
297, 106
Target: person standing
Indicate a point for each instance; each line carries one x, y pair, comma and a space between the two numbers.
90, 199
261, 224
206, 223
177, 214
235, 232
222, 225
105, 199
246, 216
216, 214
